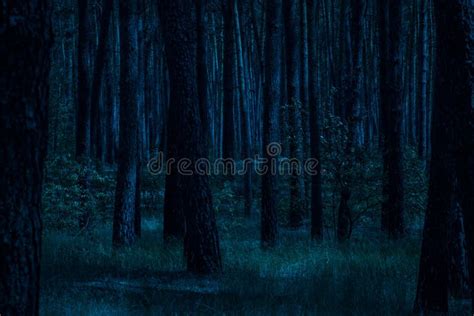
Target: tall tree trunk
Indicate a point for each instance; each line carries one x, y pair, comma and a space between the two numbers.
83, 118
457, 255
124, 233
352, 98
315, 120
271, 112
99, 65
173, 214
201, 242
423, 71
83, 112
391, 114
142, 135
293, 64
452, 151
244, 107
305, 110
25, 41
203, 71
110, 110
228, 141
455, 61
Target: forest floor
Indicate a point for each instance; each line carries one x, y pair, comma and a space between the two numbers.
367, 275
82, 276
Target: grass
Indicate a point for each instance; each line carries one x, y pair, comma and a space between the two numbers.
368, 275
81, 275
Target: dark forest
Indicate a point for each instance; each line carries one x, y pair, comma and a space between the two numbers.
236, 157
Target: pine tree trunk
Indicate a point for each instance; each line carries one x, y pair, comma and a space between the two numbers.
83, 112
458, 263
228, 150
124, 233
25, 41
203, 71
83, 118
173, 216
353, 40
423, 65
391, 116
315, 121
293, 64
201, 242
244, 107
271, 111
455, 28
452, 152
96, 89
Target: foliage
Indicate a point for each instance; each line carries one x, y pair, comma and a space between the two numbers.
364, 176
229, 200
64, 199
82, 275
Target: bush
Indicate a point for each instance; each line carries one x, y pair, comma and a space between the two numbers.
64, 200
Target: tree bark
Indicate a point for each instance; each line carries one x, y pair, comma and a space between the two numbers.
457, 255
83, 118
99, 65
271, 110
391, 117
423, 70
315, 121
454, 20
201, 242
124, 233
452, 159
293, 64
353, 40
203, 71
25, 41
244, 107
228, 141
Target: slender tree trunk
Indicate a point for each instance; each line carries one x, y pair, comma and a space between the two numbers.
315, 121
137, 221
124, 233
305, 120
99, 66
423, 72
142, 135
25, 41
457, 255
352, 98
110, 104
244, 107
228, 150
173, 213
391, 112
203, 70
83, 113
173, 216
293, 64
83, 118
271, 111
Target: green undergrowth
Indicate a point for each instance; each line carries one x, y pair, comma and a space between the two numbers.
372, 277
368, 275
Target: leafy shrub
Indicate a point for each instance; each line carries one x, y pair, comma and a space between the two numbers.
64, 199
